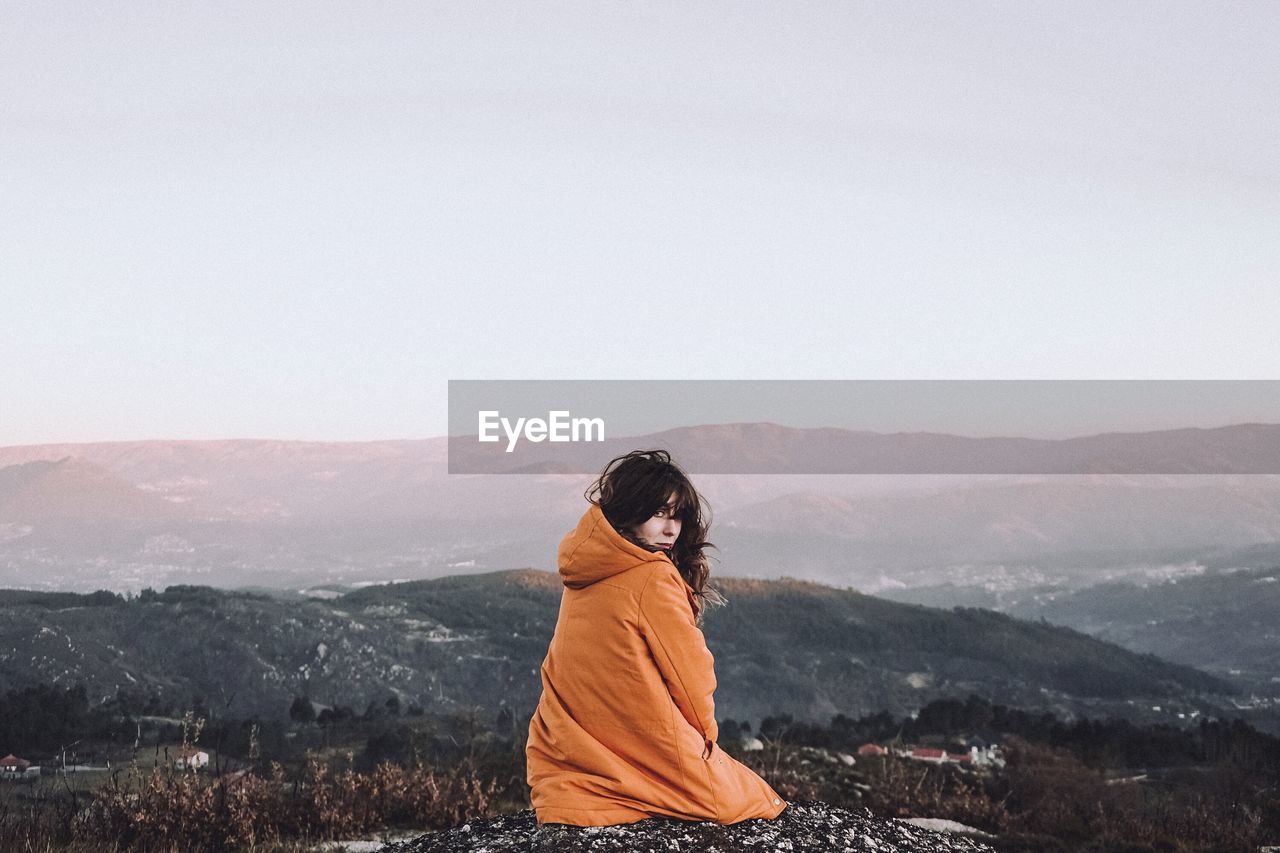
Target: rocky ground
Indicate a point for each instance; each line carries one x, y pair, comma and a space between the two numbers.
805, 827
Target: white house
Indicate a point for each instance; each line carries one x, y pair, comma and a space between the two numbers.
13, 767
189, 756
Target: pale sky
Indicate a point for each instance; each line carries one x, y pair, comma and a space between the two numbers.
298, 221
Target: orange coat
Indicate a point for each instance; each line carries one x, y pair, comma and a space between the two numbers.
625, 728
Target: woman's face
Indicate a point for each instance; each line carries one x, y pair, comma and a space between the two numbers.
662, 529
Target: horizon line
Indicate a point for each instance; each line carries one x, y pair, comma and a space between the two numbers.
267, 440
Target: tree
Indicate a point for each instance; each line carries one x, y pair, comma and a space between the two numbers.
730, 730
302, 711
776, 727
505, 722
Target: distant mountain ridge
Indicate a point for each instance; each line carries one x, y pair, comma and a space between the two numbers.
255, 479
248, 478
71, 488
765, 448
289, 514
1020, 521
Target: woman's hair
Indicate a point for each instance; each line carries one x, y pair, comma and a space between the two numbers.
635, 486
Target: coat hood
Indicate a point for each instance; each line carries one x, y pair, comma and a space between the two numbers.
593, 551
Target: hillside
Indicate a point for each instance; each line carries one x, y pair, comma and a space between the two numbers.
1223, 622
1219, 618
780, 646
71, 489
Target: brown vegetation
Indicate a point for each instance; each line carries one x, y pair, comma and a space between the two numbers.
1045, 799
188, 810
185, 810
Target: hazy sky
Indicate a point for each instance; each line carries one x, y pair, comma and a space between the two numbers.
299, 220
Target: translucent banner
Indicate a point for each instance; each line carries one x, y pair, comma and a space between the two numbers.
869, 426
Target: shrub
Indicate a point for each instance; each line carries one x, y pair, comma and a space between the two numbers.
187, 810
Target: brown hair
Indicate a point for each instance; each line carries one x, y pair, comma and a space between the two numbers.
631, 488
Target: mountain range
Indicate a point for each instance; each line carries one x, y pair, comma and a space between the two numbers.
288, 514
765, 448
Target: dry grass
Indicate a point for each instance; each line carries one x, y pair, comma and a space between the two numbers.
175, 810
1044, 800
185, 810
188, 810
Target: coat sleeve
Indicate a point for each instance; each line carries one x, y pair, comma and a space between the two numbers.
678, 646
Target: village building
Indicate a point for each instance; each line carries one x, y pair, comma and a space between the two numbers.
927, 753
976, 753
974, 757
190, 757
14, 768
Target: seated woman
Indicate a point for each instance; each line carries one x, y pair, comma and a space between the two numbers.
625, 728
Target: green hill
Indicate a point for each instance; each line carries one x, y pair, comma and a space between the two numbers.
780, 646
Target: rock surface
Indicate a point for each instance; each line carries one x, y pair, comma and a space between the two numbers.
805, 827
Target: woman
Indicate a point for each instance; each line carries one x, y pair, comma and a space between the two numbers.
625, 728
